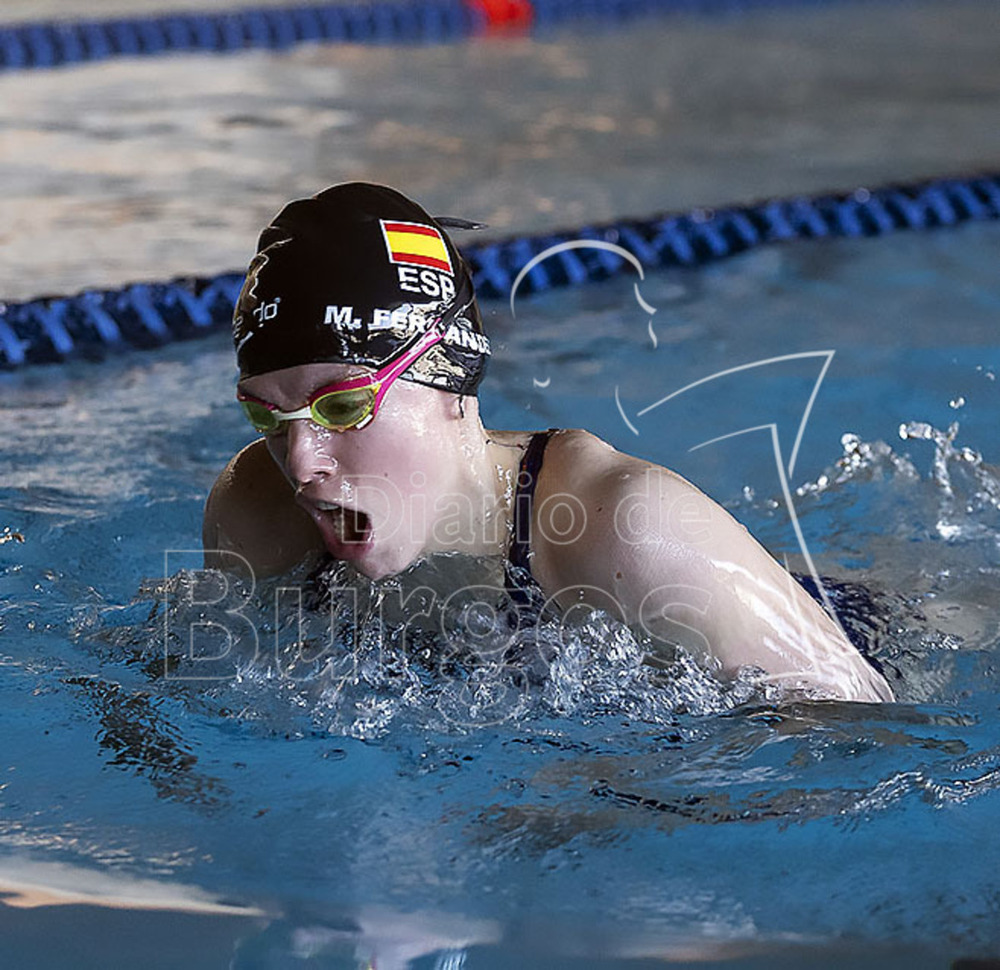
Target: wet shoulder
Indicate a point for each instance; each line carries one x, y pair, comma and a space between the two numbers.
585, 465
251, 512
576, 456
250, 479
588, 495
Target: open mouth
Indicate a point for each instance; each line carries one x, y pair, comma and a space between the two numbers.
347, 526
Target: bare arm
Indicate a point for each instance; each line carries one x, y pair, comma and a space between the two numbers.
676, 564
251, 511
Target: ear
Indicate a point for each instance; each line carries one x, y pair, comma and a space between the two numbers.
464, 407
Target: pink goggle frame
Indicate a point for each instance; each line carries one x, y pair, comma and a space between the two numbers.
350, 404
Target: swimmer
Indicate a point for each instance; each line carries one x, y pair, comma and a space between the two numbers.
361, 349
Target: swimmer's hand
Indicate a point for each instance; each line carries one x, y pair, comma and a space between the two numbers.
648, 545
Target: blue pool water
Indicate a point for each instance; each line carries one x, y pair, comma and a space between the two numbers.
402, 810
431, 813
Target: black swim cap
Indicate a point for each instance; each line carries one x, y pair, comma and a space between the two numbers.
349, 276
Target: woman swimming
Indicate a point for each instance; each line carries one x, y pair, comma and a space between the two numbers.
361, 349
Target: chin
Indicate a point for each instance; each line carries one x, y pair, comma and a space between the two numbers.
374, 571
378, 566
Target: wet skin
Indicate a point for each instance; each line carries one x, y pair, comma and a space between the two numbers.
419, 478
608, 530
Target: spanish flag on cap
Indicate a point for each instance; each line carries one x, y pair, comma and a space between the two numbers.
416, 245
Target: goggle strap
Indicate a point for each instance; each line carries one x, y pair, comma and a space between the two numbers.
423, 343
381, 380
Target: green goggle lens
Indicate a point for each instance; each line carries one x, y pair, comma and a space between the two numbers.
260, 417
343, 409
337, 411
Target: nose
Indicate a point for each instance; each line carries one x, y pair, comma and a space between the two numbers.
309, 453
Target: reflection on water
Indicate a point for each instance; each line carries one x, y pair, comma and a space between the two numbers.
133, 170
333, 654
475, 794
361, 751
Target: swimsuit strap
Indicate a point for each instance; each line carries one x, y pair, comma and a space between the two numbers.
527, 479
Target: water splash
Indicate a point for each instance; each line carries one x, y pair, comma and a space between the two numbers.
348, 656
861, 461
958, 501
969, 488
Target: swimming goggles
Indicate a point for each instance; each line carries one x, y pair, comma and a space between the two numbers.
346, 404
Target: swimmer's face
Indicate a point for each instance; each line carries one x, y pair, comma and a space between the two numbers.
369, 492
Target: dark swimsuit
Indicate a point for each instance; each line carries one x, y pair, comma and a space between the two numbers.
854, 604
520, 584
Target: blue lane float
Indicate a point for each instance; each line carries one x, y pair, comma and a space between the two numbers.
49, 44
96, 323
57, 43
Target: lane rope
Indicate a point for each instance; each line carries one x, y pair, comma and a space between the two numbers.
49, 44
96, 323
